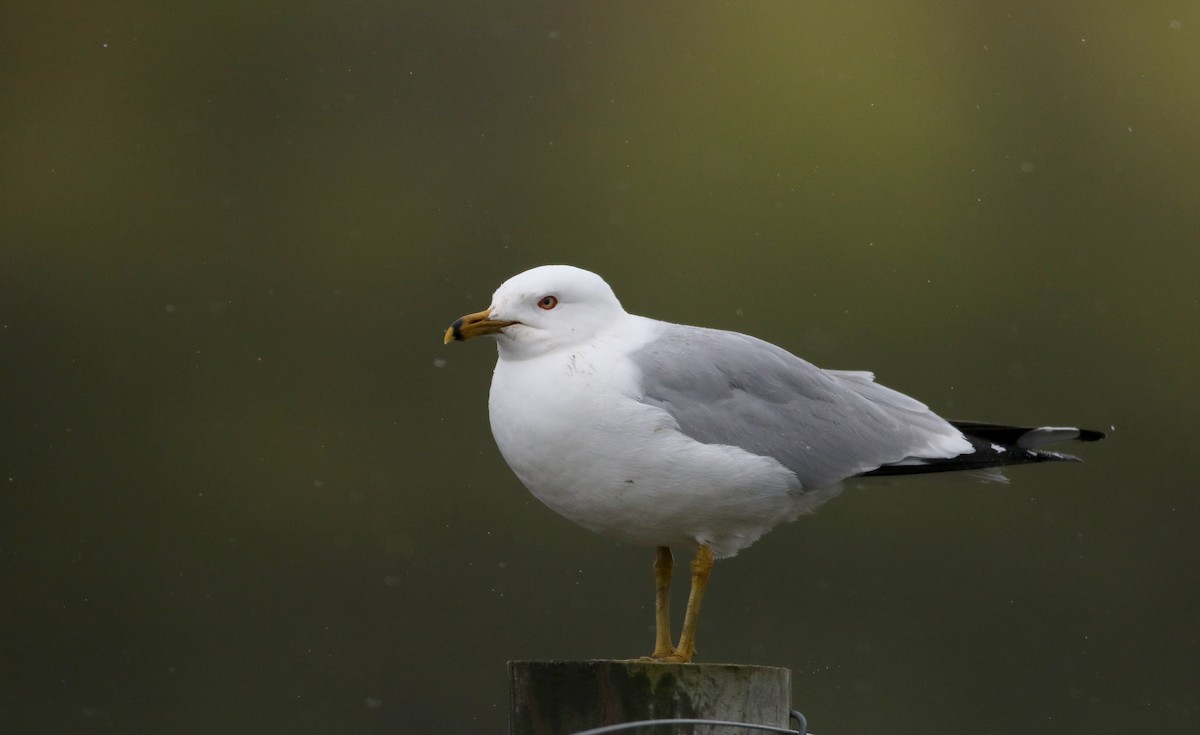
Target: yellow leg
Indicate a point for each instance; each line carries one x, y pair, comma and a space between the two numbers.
701, 566
662, 602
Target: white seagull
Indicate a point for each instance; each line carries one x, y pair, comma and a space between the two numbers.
667, 435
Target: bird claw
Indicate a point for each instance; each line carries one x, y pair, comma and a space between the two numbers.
665, 658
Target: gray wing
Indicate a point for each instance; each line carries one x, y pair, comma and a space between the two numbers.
823, 425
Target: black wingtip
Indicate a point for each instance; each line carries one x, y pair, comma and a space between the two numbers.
1028, 437
997, 445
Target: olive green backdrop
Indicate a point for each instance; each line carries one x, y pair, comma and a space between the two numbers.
245, 489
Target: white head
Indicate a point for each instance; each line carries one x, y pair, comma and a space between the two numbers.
543, 309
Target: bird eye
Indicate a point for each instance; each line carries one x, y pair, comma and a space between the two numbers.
548, 302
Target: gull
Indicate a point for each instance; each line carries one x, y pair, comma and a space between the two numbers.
667, 435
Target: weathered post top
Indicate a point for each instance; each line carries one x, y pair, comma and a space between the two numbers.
564, 697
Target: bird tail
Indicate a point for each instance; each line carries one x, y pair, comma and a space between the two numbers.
995, 445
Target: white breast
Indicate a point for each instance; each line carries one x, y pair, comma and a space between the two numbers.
571, 428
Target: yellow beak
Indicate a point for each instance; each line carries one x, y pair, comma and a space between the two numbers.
474, 325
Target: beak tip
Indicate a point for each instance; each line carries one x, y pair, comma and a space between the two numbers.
473, 325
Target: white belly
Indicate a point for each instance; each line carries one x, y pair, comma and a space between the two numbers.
628, 473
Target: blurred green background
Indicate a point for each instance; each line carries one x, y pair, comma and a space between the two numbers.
245, 488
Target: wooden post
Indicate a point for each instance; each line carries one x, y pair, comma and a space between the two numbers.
564, 697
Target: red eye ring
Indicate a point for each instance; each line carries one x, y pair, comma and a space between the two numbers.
548, 302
